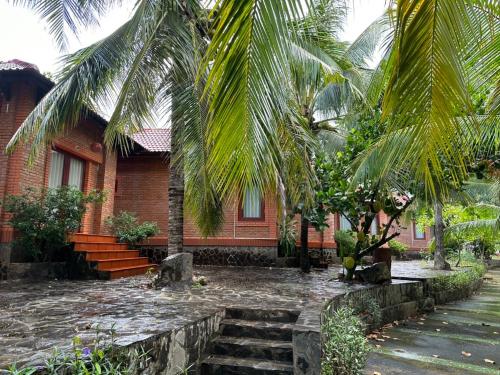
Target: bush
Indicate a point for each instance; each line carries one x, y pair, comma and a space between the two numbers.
345, 347
345, 243
398, 248
102, 358
43, 218
460, 280
127, 228
367, 308
288, 236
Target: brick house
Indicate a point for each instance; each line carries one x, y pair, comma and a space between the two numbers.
137, 182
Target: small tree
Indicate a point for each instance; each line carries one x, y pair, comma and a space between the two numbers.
361, 205
43, 218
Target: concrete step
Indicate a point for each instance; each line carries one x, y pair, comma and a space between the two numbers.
117, 273
254, 348
89, 246
82, 237
257, 329
225, 365
277, 315
103, 265
110, 254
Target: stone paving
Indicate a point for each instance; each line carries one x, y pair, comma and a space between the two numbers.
458, 338
35, 317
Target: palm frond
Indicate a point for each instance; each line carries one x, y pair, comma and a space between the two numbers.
68, 15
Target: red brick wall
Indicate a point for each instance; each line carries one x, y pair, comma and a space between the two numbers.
142, 188
16, 175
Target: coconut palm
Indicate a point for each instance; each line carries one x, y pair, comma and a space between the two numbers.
151, 60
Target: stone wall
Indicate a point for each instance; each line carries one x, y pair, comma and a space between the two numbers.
36, 271
175, 351
219, 255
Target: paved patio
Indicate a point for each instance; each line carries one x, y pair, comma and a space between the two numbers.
35, 317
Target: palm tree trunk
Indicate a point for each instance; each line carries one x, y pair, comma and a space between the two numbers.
176, 193
440, 262
305, 262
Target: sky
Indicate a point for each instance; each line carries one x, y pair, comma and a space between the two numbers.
25, 37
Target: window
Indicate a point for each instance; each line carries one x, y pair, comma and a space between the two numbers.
418, 233
344, 224
252, 206
374, 226
65, 170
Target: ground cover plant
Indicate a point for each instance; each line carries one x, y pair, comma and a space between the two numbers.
345, 347
101, 357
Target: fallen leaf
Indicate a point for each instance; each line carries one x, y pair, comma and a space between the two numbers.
435, 356
489, 361
466, 354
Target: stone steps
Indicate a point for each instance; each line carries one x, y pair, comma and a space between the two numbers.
226, 365
257, 329
252, 341
254, 348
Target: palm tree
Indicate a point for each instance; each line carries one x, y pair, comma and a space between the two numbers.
246, 62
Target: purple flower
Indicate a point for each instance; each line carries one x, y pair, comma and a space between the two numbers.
86, 352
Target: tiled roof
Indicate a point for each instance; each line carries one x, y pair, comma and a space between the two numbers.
154, 140
17, 65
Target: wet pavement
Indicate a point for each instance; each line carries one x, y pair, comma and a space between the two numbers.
35, 317
458, 338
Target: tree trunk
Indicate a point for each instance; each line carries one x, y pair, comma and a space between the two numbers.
176, 194
440, 262
305, 262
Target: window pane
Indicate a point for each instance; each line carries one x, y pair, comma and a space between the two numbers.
374, 227
75, 177
56, 169
344, 223
419, 234
252, 205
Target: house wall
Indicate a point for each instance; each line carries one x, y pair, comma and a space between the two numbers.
142, 188
16, 175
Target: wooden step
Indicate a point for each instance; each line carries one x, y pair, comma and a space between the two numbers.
117, 273
94, 255
109, 264
215, 365
88, 246
82, 237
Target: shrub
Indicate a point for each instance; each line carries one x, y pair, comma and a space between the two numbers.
345, 243
367, 308
43, 218
288, 236
398, 248
459, 280
102, 358
127, 228
345, 347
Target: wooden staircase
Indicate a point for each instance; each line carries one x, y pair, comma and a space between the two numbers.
109, 258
